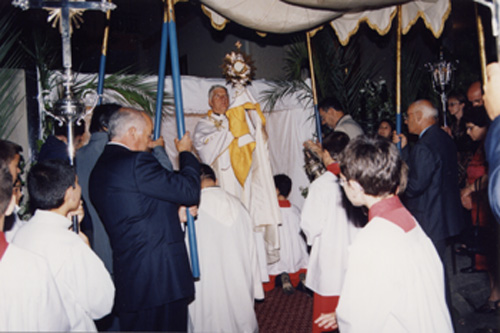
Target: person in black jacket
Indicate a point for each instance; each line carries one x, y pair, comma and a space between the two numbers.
138, 201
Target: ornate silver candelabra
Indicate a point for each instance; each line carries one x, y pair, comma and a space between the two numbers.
441, 76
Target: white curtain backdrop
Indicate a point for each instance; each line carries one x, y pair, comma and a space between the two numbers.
288, 125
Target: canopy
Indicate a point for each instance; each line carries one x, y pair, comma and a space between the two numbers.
344, 15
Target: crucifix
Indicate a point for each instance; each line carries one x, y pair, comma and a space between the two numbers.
68, 109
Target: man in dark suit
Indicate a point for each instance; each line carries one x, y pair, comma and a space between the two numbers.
432, 193
138, 201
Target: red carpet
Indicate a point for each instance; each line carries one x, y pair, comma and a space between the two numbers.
284, 313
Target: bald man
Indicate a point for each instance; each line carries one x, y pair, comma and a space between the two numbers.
432, 193
475, 94
138, 202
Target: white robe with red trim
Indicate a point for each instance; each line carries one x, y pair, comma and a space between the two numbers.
394, 282
293, 250
326, 225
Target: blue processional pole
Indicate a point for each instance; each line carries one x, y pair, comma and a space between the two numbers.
169, 33
102, 62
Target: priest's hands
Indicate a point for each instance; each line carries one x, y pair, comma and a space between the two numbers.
328, 321
184, 144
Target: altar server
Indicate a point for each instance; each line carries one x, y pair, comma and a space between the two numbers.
84, 283
29, 297
328, 229
229, 272
293, 250
394, 280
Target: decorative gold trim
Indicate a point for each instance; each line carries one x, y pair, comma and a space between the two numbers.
215, 25
261, 34
420, 14
372, 26
313, 32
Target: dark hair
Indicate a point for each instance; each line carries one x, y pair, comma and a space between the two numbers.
8, 150
206, 172
458, 95
5, 187
47, 183
374, 163
386, 120
100, 117
330, 102
284, 184
62, 128
476, 115
335, 143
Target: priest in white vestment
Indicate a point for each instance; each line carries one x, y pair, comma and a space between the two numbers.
228, 284
234, 143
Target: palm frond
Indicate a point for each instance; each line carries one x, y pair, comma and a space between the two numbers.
282, 88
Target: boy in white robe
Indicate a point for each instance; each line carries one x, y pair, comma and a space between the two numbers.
328, 228
394, 280
84, 283
29, 297
293, 251
229, 279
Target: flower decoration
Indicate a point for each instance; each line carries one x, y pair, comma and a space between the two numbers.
238, 67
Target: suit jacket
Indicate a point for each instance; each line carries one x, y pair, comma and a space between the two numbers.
492, 148
85, 160
432, 193
138, 202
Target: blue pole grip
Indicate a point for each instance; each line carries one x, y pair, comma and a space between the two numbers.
318, 124
181, 129
100, 83
398, 128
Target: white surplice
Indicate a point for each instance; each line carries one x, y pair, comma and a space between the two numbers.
328, 230
293, 250
84, 283
229, 279
394, 283
29, 299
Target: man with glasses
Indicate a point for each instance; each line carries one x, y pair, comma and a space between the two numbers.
432, 194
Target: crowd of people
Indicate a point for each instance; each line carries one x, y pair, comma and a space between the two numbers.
127, 264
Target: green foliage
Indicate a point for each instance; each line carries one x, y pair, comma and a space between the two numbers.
9, 58
338, 72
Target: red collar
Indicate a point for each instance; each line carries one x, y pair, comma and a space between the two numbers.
393, 210
334, 168
3, 244
284, 203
